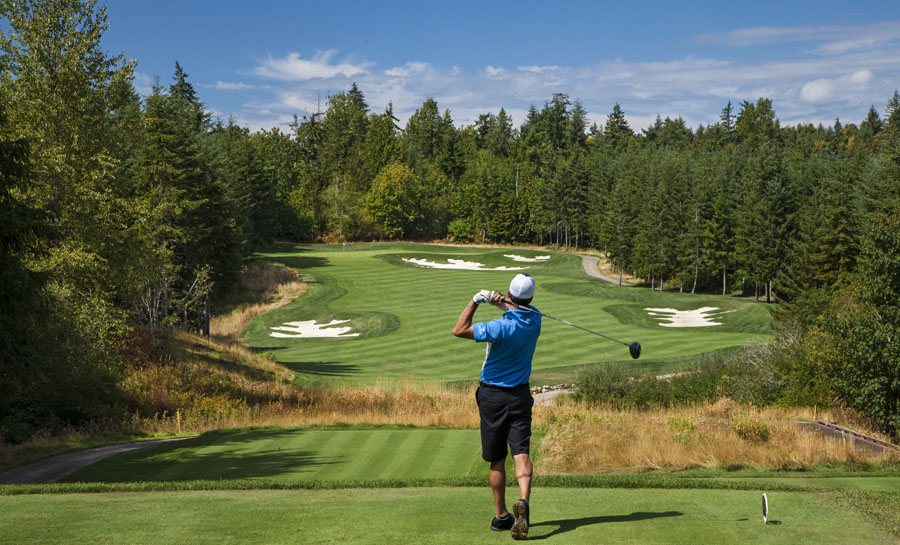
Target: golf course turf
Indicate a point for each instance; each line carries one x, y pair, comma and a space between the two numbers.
392, 484
403, 314
305, 454
398, 484
430, 515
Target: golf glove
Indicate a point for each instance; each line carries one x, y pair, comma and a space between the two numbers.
483, 296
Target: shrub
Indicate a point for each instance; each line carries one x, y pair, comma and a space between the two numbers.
462, 229
745, 376
751, 429
608, 383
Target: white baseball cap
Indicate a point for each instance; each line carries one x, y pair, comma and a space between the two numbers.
522, 287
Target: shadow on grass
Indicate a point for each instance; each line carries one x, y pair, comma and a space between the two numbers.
567, 525
214, 455
301, 263
323, 368
200, 352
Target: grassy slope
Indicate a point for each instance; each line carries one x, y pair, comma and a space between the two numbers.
405, 314
429, 515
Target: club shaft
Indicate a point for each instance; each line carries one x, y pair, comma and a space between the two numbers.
564, 322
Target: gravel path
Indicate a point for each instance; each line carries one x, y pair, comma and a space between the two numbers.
54, 469
545, 399
589, 264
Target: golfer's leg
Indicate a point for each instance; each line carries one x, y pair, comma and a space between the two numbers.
524, 469
498, 485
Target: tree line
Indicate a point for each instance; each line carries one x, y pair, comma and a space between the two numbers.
121, 213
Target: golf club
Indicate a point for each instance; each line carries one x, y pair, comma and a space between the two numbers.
633, 348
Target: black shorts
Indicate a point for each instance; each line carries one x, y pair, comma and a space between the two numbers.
505, 418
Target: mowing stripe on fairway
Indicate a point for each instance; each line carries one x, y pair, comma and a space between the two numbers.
405, 313
299, 455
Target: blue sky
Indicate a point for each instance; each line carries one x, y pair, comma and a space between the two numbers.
264, 62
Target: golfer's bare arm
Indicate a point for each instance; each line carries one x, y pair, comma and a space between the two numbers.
463, 327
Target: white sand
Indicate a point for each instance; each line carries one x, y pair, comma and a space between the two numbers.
459, 264
535, 259
308, 329
702, 317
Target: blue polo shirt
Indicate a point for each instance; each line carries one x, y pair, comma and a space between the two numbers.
511, 342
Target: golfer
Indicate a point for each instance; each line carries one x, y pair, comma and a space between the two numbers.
504, 399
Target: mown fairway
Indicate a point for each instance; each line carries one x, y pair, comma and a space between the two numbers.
404, 314
430, 515
356, 454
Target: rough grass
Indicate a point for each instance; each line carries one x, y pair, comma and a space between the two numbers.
719, 435
389, 402
269, 286
611, 271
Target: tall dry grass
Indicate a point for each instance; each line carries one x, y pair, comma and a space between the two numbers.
273, 285
406, 402
709, 436
608, 269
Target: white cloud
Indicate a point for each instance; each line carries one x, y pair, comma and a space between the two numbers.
537, 69
293, 67
231, 86
408, 69
143, 83
764, 35
298, 102
493, 72
834, 39
826, 89
829, 78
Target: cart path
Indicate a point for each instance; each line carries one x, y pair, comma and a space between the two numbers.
57, 467
589, 264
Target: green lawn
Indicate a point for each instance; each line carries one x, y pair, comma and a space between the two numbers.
426, 485
404, 315
305, 454
428, 516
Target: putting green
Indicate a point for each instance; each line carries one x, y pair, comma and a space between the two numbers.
404, 313
353, 454
429, 515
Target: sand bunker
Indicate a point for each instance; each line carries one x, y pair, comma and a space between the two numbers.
309, 329
535, 259
459, 264
702, 317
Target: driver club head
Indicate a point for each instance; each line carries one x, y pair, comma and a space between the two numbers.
635, 349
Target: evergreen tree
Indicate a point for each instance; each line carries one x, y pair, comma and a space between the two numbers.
424, 134
756, 124
727, 122
382, 144
871, 126
60, 90
311, 174
857, 336
616, 132
23, 233
575, 129
357, 97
